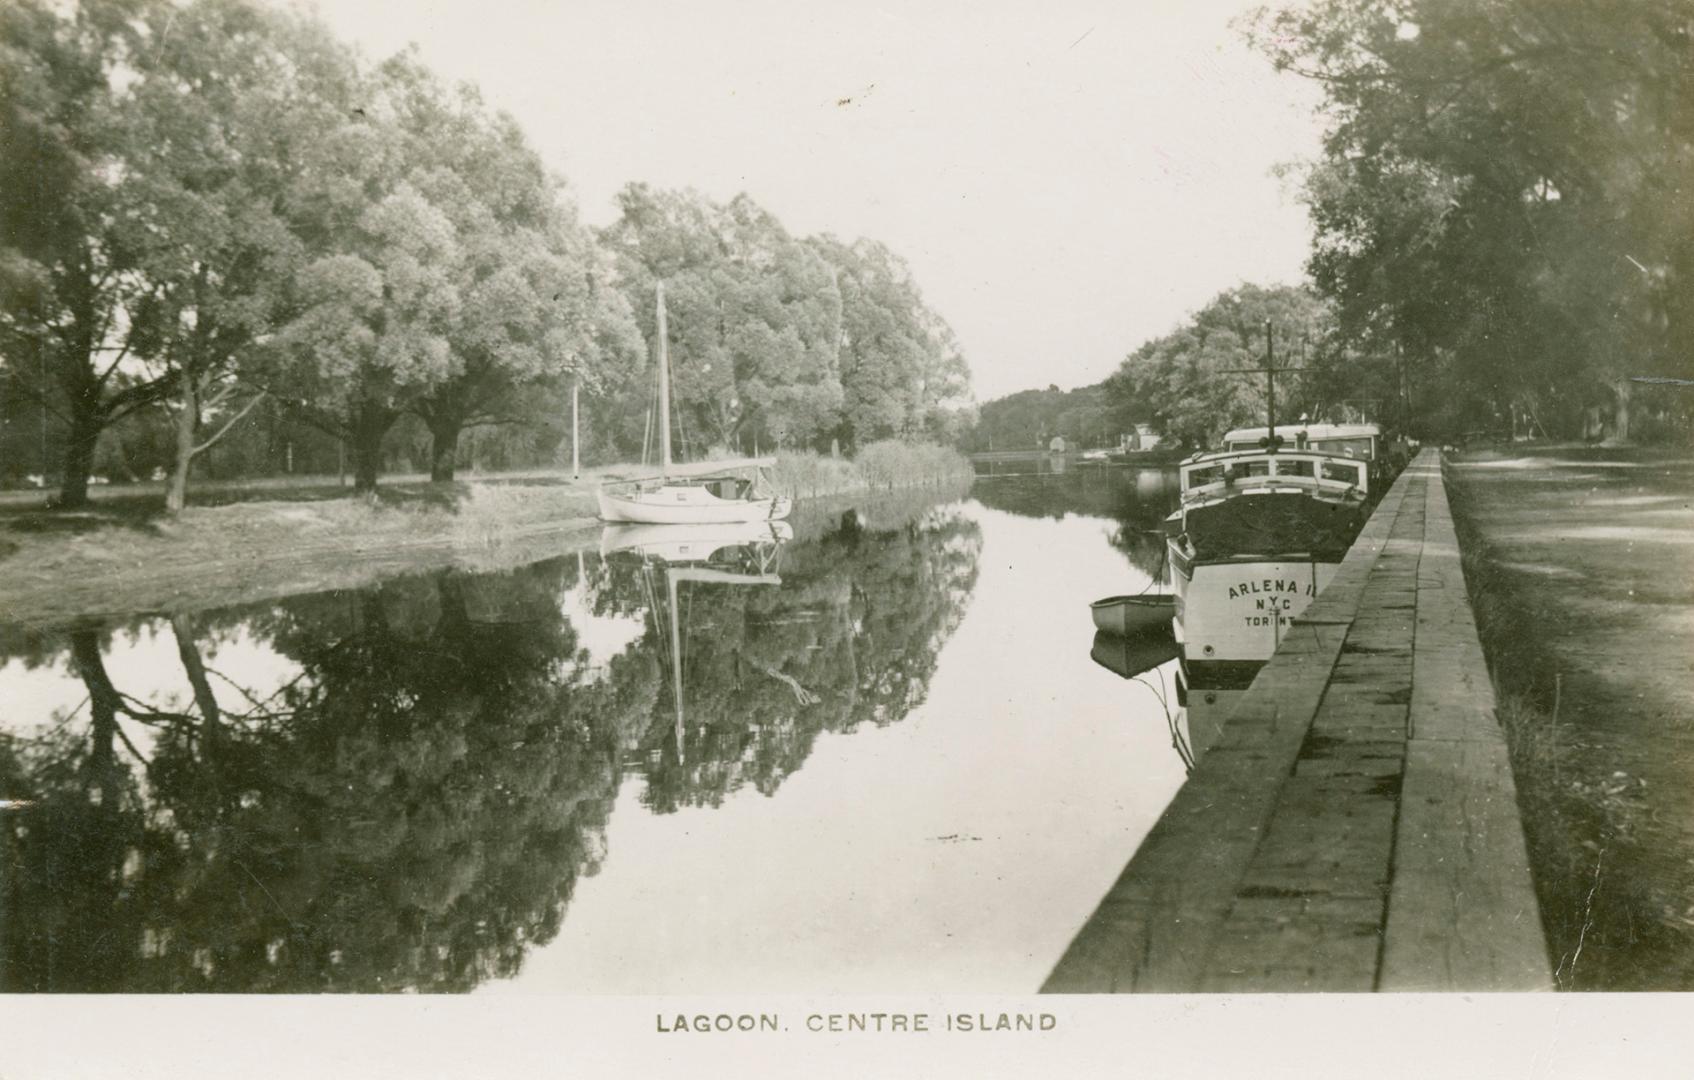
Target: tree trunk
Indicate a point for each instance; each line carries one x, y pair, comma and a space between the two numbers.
182, 626
1620, 417
371, 423
443, 447
187, 422
104, 705
79, 456
367, 465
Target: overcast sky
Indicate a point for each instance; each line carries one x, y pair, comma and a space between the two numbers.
1066, 179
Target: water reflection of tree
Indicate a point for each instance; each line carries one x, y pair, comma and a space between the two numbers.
412, 811
1137, 499
852, 636
413, 807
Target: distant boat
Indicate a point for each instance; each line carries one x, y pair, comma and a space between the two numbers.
684, 496
1130, 656
1126, 615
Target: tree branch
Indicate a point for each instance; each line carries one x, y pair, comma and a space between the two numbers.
131, 398
207, 445
223, 395
113, 366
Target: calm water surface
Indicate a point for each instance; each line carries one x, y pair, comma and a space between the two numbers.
895, 768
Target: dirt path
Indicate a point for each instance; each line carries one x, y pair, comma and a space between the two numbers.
63, 568
1581, 564
68, 572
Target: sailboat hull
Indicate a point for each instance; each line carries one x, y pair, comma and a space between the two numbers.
687, 505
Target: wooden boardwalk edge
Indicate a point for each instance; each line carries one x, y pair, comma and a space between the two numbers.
1462, 913
1394, 865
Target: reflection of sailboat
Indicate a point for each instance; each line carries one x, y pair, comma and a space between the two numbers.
743, 553
682, 496
694, 543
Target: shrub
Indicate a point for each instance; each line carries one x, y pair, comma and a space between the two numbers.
880, 466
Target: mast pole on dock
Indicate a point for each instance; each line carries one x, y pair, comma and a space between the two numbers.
1270, 371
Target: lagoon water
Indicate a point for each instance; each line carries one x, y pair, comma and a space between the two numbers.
898, 769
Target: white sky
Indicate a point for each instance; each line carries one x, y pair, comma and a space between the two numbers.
1067, 178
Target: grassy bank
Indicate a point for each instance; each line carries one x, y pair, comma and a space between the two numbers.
122, 555
880, 466
1579, 580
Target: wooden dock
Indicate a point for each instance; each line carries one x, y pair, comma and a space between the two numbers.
1355, 826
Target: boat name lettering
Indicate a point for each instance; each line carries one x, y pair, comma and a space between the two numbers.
1270, 585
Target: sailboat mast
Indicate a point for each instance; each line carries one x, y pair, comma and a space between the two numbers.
664, 386
676, 657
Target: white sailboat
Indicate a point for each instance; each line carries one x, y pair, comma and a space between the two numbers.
710, 494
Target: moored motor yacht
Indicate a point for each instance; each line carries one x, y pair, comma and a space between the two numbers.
1260, 530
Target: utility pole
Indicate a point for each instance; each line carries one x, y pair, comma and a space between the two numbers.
576, 457
43, 418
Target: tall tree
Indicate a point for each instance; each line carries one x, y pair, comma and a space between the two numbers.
901, 368
69, 293
538, 307
1188, 380
225, 99
753, 315
1501, 198
379, 289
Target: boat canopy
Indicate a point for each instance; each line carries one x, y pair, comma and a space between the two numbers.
1354, 440
1221, 475
1313, 431
697, 470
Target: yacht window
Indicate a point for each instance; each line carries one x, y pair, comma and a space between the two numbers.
1341, 470
1253, 467
1359, 447
1201, 477
1293, 467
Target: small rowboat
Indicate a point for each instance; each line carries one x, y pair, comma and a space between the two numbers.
1125, 615
1130, 656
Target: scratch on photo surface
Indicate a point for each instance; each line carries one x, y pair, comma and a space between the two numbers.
266, 891
1587, 921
